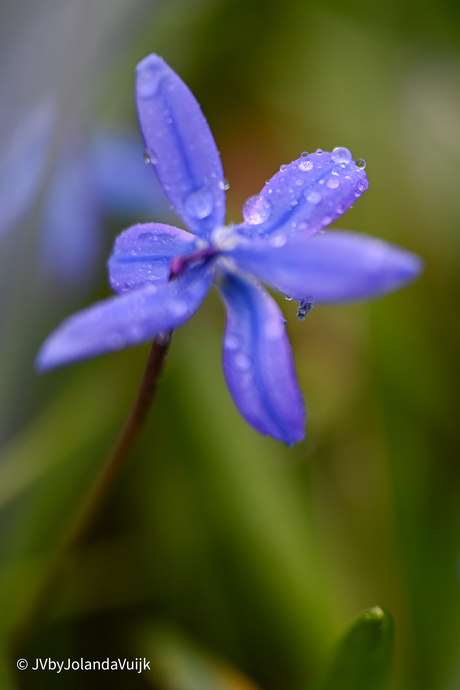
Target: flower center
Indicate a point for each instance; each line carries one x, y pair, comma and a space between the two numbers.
179, 263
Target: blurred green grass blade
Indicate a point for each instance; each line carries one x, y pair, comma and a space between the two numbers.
180, 663
7, 679
363, 657
87, 408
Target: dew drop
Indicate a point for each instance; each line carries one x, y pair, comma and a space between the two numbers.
319, 151
148, 79
361, 163
314, 198
305, 165
299, 182
177, 308
283, 167
341, 155
224, 184
277, 240
242, 361
288, 298
327, 220
332, 183
199, 204
150, 156
136, 332
304, 154
232, 342
363, 185
274, 329
256, 210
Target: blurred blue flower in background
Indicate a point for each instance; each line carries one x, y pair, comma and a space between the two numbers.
95, 178
163, 273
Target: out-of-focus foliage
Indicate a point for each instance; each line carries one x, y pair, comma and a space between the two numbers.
258, 554
362, 659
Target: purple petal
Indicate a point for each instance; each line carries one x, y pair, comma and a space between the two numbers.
258, 362
127, 319
332, 267
306, 195
142, 254
71, 226
180, 145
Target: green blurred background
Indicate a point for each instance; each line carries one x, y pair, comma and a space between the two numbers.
227, 559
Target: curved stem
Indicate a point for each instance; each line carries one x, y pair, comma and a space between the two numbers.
125, 441
97, 493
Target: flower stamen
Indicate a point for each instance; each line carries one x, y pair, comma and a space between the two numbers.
180, 262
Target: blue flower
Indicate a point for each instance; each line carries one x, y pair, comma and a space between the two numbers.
162, 273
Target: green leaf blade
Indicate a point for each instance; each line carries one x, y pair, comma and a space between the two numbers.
362, 658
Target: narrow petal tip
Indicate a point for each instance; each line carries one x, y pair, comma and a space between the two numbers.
149, 72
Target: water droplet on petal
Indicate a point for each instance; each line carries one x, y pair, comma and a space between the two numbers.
341, 155
332, 183
360, 163
319, 151
283, 167
305, 165
256, 210
177, 308
288, 298
232, 342
148, 79
299, 182
150, 156
224, 184
199, 204
135, 332
274, 329
327, 220
277, 240
242, 361
304, 154
363, 185
314, 198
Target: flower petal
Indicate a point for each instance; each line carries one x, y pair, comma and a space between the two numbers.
180, 145
258, 361
332, 267
127, 319
305, 196
72, 231
142, 254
